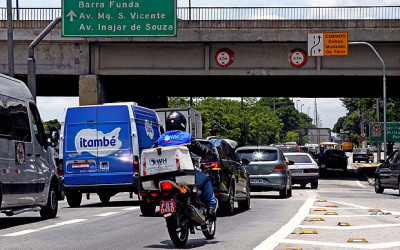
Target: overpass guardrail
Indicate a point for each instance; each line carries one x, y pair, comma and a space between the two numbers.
244, 17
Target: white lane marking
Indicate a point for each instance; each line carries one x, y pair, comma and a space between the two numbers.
350, 227
346, 245
130, 208
362, 207
106, 214
274, 240
43, 228
361, 185
21, 232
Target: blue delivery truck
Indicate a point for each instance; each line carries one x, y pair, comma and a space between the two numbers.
100, 147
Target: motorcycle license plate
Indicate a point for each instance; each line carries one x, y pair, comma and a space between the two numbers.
167, 206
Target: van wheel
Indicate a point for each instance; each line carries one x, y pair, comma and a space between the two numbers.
104, 198
74, 199
50, 210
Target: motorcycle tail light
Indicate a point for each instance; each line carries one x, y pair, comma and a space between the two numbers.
279, 168
166, 186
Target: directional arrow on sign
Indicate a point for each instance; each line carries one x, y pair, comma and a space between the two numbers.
71, 16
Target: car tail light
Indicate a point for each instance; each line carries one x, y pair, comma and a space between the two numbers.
279, 168
311, 171
212, 165
60, 164
166, 186
298, 149
136, 164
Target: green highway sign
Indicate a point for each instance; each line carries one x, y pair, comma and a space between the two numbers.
118, 18
392, 131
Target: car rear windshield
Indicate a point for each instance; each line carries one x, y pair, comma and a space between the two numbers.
335, 152
360, 151
258, 154
287, 149
299, 158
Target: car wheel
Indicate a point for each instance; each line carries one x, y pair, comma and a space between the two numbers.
286, 192
50, 210
228, 206
303, 185
378, 187
147, 208
245, 205
314, 185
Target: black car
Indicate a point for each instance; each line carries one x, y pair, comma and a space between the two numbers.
229, 178
333, 158
363, 154
387, 174
287, 148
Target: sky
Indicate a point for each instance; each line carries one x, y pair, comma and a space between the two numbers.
329, 109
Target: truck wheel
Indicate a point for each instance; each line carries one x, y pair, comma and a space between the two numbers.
50, 210
74, 199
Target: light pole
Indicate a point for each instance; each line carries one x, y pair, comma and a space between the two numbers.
384, 91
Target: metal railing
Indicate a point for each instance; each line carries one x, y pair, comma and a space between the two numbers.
244, 17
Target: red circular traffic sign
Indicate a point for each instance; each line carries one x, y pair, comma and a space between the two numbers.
224, 57
297, 58
376, 127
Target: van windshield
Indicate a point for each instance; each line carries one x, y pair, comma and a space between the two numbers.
258, 154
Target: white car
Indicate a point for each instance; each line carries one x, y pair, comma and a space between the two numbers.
304, 170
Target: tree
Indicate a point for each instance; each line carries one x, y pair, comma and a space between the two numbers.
51, 123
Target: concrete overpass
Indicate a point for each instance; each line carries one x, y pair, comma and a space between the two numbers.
148, 69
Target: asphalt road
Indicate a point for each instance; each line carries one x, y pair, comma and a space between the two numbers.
271, 223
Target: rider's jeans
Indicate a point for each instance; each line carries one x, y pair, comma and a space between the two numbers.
203, 182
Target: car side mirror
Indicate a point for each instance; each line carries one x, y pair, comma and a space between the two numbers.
291, 162
245, 161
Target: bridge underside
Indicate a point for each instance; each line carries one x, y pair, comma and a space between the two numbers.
152, 91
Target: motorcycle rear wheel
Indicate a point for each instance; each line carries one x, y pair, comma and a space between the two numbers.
209, 230
179, 234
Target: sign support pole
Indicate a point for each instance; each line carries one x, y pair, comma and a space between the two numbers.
384, 92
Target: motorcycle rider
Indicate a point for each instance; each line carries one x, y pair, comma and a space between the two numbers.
176, 135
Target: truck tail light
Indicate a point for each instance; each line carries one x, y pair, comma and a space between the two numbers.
279, 168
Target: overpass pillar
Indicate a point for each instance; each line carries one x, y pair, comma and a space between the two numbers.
90, 90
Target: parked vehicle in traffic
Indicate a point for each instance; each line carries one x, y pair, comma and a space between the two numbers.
373, 148
230, 180
347, 146
388, 173
29, 180
287, 147
268, 169
304, 169
100, 147
363, 154
333, 158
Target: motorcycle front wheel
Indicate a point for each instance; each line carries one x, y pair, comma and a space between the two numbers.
209, 230
179, 234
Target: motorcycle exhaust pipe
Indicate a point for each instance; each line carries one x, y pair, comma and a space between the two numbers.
194, 214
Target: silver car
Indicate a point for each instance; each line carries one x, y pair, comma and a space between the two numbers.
268, 169
304, 170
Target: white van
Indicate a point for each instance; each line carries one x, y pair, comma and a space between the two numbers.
28, 177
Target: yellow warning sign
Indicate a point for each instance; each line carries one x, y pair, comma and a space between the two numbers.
336, 44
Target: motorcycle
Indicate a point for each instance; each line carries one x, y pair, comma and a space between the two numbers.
184, 211
170, 172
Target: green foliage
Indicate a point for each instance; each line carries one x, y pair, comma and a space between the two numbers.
253, 122
52, 123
